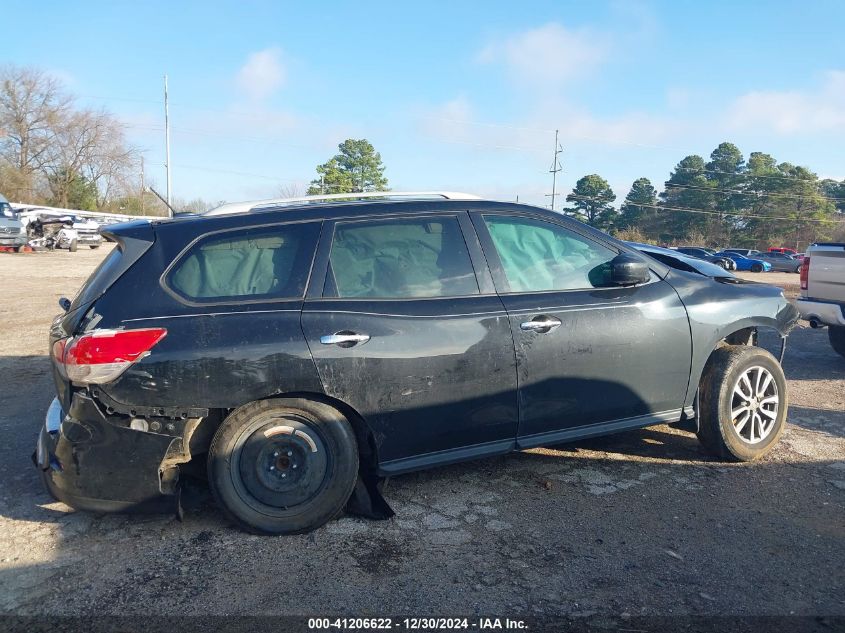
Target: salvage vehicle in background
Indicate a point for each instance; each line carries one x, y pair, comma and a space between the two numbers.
676, 259
822, 299
780, 261
747, 263
52, 232
707, 255
12, 232
301, 349
85, 231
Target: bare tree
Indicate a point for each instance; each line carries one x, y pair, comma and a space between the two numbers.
32, 105
294, 190
76, 139
48, 145
109, 163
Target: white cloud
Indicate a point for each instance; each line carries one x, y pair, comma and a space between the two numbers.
548, 55
262, 74
793, 112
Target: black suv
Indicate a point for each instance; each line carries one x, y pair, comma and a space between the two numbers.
301, 352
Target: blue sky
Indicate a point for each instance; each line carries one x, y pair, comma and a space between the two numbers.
455, 95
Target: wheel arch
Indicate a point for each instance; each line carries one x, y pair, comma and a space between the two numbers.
741, 332
364, 436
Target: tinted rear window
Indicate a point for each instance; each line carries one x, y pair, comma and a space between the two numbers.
250, 264
103, 276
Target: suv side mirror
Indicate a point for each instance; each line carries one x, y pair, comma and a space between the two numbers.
628, 270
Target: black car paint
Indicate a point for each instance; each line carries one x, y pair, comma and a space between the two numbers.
441, 380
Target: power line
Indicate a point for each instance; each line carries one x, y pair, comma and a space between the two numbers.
671, 185
703, 211
555, 169
549, 131
744, 174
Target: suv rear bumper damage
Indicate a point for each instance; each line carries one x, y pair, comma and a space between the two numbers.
91, 464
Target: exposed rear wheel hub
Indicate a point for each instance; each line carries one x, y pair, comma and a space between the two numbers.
282, 463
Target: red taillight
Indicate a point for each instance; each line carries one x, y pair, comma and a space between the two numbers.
805, 271
102, 355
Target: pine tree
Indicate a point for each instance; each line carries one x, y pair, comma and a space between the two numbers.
639, 209
356, 167
591, 202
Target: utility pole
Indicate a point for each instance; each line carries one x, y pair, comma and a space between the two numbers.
167, 141
556, 167
143, 187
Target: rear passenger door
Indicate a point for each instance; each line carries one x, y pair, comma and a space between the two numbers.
230, 302
403, 329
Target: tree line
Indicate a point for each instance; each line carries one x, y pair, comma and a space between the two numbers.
726, 201
56, 153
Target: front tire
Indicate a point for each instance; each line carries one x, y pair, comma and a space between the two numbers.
742, 403
283, 466
93, 246
757, 268
73, 246
836, 335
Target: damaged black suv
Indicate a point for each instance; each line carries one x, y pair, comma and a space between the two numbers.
302, 350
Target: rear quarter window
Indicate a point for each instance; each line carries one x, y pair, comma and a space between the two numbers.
261, 263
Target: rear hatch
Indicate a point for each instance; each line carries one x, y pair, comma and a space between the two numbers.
132, 239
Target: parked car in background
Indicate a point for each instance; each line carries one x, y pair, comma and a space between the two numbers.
297, 352
784, 250
681, 261
707, 255
745, 252
780, 261
88, 232
12, 231
747, 263
822, 299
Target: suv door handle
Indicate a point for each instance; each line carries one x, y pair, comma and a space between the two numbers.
541, 324
344, 338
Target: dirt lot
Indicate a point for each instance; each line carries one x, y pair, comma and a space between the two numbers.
639, 523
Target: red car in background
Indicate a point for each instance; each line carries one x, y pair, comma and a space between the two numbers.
785, 251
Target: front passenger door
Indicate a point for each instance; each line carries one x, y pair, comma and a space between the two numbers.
590, 357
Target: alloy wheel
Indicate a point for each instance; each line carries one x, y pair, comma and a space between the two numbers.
755, 404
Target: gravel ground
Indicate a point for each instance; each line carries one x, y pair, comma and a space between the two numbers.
638, 523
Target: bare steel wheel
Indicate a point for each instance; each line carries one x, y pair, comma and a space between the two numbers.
283, 466
755, 403
742, 403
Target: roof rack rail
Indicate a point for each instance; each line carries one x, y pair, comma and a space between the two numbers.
243, 207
